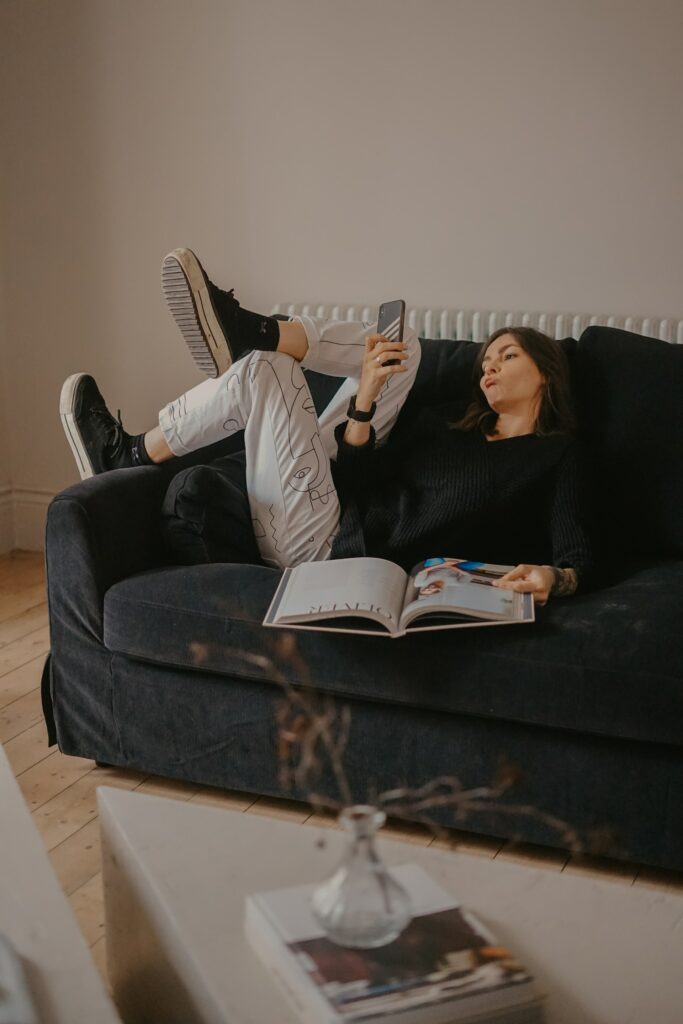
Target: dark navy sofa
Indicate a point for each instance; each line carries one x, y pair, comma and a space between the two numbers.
163, 667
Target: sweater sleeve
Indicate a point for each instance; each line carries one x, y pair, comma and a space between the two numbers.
418, 433
353, 454
570, 518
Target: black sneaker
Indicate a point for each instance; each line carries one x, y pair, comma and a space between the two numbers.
98, 441
202, 311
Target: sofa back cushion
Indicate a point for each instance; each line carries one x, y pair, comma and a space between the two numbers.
628, 392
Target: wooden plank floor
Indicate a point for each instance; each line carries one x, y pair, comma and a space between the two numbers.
61, 790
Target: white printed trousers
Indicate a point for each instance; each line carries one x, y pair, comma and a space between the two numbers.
293, 502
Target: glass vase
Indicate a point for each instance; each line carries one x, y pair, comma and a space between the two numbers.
362, 905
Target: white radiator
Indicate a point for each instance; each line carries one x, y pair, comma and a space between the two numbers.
477, 325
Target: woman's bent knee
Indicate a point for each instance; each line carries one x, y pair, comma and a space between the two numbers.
413, 353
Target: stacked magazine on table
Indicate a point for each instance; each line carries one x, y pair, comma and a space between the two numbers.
375, 596
445, 968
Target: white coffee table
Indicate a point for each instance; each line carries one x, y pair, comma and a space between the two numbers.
176, 877
36, 917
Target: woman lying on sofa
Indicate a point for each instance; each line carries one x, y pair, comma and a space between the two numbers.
498, 482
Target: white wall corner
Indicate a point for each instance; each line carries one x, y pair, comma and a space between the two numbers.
29, 507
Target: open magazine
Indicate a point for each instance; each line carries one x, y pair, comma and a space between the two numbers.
377, 597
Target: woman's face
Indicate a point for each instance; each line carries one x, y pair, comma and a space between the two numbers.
510, 379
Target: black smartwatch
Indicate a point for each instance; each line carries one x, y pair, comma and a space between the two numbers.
356, 414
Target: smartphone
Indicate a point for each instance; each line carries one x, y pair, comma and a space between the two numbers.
390, 323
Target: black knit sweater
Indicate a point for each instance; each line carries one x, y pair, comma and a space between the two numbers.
434, 490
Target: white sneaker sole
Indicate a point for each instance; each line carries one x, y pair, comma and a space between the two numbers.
66, 412
188, 299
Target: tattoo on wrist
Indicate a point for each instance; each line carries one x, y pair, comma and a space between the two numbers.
565, 583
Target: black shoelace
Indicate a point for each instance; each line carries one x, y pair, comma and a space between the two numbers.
114, 434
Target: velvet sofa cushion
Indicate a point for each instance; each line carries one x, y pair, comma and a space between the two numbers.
608, 663
205, 514
628, 392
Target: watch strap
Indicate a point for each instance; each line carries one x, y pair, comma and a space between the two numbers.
356, 414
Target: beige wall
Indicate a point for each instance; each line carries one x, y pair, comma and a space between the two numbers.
500, 153
6, 504
5, 460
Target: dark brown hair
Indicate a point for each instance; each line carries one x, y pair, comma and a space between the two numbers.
555, 413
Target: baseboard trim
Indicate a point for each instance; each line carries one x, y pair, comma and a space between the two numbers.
23, 512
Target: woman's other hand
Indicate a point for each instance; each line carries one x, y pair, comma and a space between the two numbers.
529, 579
375, 372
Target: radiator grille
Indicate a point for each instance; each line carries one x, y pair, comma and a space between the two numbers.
477, 325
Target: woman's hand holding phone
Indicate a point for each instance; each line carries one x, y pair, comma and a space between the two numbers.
385, 354
382, 359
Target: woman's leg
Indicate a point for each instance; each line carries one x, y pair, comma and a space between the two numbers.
334, 347
294, 505
293, 339
337, 347
219, 331
293, 342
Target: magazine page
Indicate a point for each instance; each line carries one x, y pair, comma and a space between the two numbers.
441, 585
367, 587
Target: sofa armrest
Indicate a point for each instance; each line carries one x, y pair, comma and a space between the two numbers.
104, 529
98, 532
